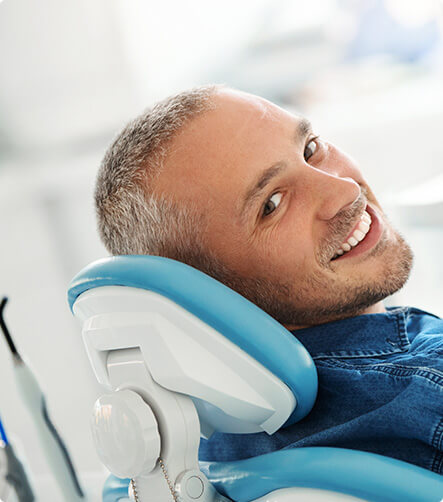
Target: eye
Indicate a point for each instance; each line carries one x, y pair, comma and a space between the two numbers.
310, 148
272, 204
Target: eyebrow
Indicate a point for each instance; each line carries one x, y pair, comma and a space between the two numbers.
302, 130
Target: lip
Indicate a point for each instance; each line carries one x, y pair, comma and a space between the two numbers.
371, 238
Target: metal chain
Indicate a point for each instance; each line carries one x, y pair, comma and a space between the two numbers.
165, 474
171, 488
134, 490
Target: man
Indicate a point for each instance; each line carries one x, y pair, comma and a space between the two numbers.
246, 192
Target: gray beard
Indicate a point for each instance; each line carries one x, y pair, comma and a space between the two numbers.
320, 300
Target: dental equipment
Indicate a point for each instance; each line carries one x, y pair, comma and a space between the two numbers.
14, 483
182, 356
53, 446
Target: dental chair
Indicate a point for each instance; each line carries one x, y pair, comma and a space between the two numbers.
182, 356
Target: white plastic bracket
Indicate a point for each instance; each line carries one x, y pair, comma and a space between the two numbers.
179, 430
233, 392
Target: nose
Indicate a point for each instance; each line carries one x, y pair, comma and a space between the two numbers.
332, 191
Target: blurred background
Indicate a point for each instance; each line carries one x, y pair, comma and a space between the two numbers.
368, 74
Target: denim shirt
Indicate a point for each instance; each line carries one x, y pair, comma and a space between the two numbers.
380, 390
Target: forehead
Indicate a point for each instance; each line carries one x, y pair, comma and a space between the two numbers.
238, 122
219, 153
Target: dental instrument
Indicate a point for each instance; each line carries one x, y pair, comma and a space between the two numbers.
53, 446
14, 483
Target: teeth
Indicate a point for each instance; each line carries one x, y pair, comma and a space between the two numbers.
357, 236
366, 217
352, 241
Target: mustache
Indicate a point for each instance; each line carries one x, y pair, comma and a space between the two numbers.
340, 226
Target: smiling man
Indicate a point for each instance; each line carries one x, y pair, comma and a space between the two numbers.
248, 193
285, 206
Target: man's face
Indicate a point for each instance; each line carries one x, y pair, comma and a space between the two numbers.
280, 204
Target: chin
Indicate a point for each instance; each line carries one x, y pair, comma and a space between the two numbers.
385, 273
389, 270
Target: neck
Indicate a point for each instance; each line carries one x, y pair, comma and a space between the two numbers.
377, 308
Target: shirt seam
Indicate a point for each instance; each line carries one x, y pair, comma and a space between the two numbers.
398, 370
401, 344
437, 464
437, 437
358, 353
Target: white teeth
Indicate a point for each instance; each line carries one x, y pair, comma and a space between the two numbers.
357, 236
352, 241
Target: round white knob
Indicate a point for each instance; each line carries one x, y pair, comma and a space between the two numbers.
194, 487
125, 433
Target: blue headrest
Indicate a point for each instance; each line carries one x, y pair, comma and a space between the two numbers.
232, 315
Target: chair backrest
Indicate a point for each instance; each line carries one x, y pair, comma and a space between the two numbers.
215, 340
242, 369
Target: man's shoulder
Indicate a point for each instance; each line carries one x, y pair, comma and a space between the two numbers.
417, 323
415, 311
425, 332
416, 354
421, 324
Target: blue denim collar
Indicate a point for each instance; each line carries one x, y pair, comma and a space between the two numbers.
361, 336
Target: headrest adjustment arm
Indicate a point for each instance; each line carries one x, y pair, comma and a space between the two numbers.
179, 430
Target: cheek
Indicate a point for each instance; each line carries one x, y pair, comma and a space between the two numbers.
290, 244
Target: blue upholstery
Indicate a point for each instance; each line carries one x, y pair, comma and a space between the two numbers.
115, 489
365, 475
229, 313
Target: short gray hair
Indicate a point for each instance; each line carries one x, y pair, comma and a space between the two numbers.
131, 218
134, 220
